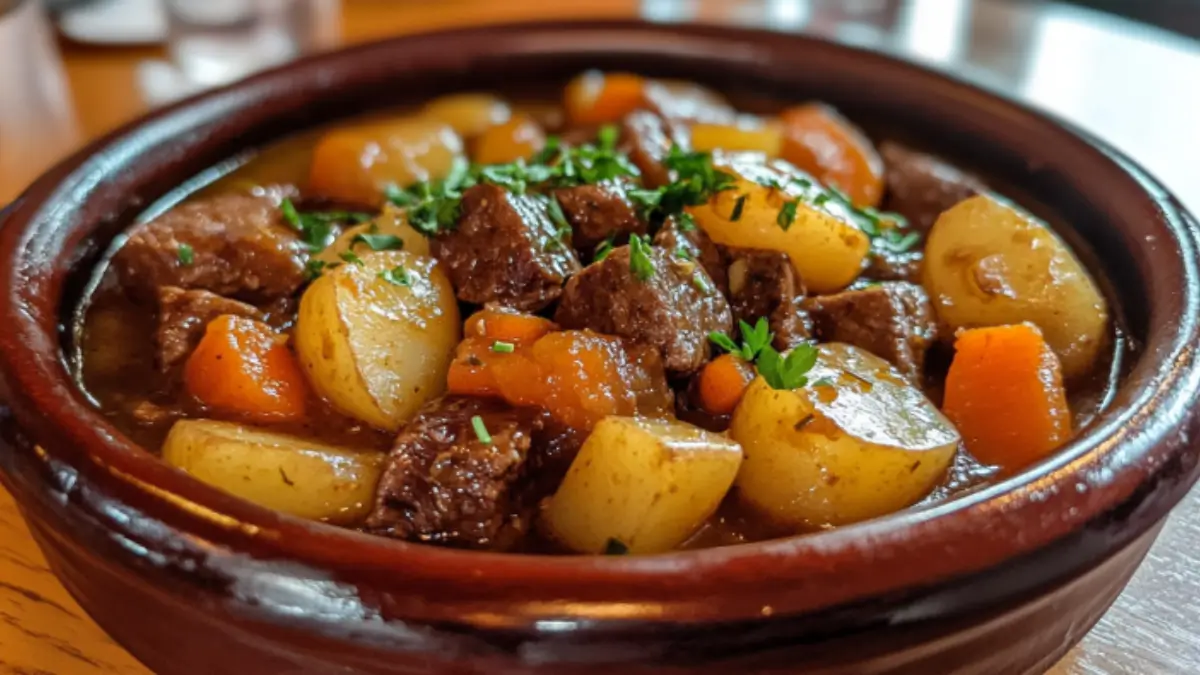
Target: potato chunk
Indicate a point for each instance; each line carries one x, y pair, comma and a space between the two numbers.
989, 264
824, 244
392, 222
376, 338
356, 164
469, 113
280, 472
856, 443
648, 484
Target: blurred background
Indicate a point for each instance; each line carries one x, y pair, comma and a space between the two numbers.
71, 70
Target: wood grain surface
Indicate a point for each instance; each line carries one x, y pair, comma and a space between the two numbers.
56, 95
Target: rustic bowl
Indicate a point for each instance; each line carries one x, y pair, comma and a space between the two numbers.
1004, 580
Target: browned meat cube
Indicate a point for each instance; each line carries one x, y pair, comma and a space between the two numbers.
235, 245
444, 484
673, 309
182, 317
891, 266
692, 243
893, 320
648, 139
597, 212
763, 284
920, 186
505, 250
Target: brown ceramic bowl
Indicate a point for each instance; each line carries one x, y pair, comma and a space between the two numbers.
192, 580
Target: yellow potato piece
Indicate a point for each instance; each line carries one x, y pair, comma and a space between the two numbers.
391, 221
297, 476
648, 484
375, 349
989, 264
468, 113
356, 164
825, 246
745, 134
865, 445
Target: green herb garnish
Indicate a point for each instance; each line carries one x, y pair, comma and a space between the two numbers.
780, 372
481, 431
351, 257
683, 253
317, 228
186, 254
397, 275
787, 372
685, 222
378, 242
787, 214
503, 347
640, 262
754, 340
604, 248
738, 206
701, 282
615, 546
313, 268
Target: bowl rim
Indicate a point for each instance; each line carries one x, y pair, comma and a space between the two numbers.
1147, 429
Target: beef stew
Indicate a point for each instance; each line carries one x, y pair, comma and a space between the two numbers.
644, 321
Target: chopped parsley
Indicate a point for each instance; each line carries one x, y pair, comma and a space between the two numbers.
640, 262
433, 206
318, 228
788, 372
685, 222
701, 282
604, 248
351, 257
738, 207
697, 181
562, 226
481, 431
313, 268
378, 242
615, 546
684, 253
754, 340
397, 275
503, 347
186, 255
787, 214
780, 372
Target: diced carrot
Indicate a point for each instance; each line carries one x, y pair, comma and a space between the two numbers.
1005, 394
601, 98
243, 368
507, 326
469, 373
817, 139
519, 138
722, 383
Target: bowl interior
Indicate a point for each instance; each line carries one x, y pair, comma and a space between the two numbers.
1127, 229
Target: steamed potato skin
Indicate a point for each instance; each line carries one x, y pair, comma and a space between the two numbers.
391, 221
989, 264
303, 478
865, 446
825, 246
647, 483
377, 350
354, 165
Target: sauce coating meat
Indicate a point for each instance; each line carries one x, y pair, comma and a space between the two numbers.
638, 321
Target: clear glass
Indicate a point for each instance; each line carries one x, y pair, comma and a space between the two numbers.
217, 41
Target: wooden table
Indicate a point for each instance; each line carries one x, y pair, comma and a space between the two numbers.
1108, 77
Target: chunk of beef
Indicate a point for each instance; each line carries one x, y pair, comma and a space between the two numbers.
505, 251
648, 139
891, 266
444, 485
764, 284
893, 320
691, 242
673, 310
182, 317
920, 186
239, 248
597, 212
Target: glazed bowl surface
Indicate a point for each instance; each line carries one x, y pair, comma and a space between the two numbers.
1003, 580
